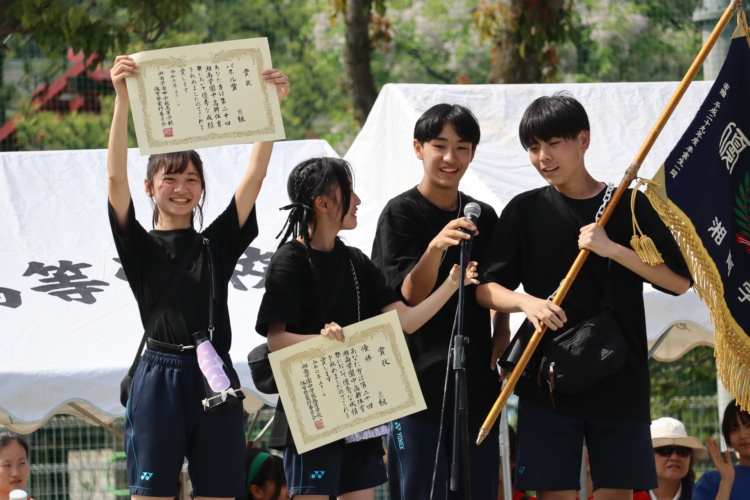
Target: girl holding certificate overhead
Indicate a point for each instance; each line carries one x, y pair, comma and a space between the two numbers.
314, 284
179, 278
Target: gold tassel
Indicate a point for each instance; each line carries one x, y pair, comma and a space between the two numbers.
635, 242
732, 345
643, 245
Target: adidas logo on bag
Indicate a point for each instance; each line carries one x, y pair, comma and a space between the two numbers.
606, 353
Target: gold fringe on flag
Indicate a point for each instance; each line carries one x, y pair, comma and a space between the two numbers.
742, 26
732, 346
643, 245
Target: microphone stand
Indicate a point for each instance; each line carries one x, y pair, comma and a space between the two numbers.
460, 452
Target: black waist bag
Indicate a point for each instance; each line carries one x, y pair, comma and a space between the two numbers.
583, 355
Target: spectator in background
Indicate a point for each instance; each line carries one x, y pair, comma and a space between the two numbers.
265, 475
675, 454
728, 482
14, 463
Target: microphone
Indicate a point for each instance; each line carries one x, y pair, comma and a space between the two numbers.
472, 211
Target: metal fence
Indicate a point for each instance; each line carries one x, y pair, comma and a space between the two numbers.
74, 460
71, 459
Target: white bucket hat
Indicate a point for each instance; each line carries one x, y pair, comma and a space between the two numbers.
668, 431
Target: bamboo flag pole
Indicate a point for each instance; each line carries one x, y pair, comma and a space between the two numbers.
630, 175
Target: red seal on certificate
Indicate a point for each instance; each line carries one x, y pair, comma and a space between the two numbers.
319, 424
168, 132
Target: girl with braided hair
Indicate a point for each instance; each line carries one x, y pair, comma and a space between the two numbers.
314, 284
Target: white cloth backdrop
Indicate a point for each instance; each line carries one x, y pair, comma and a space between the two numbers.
67, 353
69, 325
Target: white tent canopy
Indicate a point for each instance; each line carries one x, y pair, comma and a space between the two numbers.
70, 325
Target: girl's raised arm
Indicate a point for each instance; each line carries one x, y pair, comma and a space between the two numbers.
412, 318
249, 187
118, 190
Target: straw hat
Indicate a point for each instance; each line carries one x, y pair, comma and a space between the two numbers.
668, 431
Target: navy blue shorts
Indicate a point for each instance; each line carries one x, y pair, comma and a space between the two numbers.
412, 444
549, 452
165, 423
333, 469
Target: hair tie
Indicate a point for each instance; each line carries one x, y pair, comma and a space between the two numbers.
293, 207
296, 206
255, 466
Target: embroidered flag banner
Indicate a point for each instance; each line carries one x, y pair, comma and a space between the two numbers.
704, 198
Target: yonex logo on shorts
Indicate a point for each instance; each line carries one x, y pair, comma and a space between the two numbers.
147, 475
400, 439
317, 474
606, 353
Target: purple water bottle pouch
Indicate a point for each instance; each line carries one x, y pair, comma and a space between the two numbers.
219, 388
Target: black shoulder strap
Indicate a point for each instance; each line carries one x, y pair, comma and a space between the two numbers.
213, 292
157, 312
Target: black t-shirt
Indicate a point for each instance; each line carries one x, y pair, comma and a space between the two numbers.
305, 302
405, 228
150, 260
534, 245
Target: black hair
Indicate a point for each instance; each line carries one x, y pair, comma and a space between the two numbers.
7, 437
271, 470
432, 121
308, 180
176, 163
559, 115
733, 415
689, 478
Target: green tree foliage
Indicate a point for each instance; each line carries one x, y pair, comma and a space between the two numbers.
54, 26
425, 41
317, 107
432, 41
692, 375
52, 131
633, 40
297, 31
526, 35
103, 26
